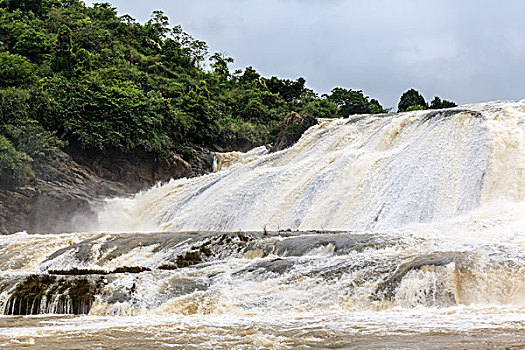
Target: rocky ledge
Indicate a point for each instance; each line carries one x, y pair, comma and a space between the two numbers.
63, 198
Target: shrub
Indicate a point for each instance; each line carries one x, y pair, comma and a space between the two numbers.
15, 69
15, 166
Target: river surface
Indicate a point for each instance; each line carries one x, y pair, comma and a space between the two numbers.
401, 231
452, 328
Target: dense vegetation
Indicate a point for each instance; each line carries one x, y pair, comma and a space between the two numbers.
83, 77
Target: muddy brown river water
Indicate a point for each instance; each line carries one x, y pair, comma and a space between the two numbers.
399, 231
454, 328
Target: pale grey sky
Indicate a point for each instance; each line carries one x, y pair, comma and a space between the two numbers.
462, 50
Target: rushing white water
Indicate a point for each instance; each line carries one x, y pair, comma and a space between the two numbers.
373, 172
428, 213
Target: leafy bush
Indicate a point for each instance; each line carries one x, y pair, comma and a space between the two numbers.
437, 103
15, 166
239, 135
32, 139
415, 108
14, 105
320, 109
351, 102
15, 69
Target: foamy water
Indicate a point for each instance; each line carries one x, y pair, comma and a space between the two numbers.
396, 231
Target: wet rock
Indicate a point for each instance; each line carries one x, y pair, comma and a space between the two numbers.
136, 171
182, 286
64, 197
277, 266
131, 269
340, 243
39, 294
53, 201
78, 272
201, 161
189, 259
291, 129
179, 249
119, 296
386, 289
447, 113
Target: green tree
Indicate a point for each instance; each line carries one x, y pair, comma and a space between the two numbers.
33, 44
15, 70
64, 60
437, 103
250, 77
411, 98
158, 26
220, 64
255, 112
322, 108
35, 6
351, 102
374, 107
15, 166
195, 50
289, 90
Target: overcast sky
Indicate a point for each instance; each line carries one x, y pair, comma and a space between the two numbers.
462, 50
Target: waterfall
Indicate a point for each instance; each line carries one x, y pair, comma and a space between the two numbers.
366, 214
368, 172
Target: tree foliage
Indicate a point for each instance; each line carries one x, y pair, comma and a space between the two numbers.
437, 103
411, 99
15, 69
351, 102
86, 77
15, 166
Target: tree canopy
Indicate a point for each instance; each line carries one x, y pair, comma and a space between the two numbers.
83, 77
437, 103
412, 100
350, 102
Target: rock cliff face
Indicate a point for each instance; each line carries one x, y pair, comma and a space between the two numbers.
61, 201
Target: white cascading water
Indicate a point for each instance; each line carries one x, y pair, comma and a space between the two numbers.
372, 172
417, 224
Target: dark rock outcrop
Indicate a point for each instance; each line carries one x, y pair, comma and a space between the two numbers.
140, 170
52, 203
386, 289
39, 294
62, 199
292, 128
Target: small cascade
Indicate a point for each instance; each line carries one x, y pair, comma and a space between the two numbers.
47, 294
259, 272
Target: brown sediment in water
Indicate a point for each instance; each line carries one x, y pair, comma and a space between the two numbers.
196, 334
